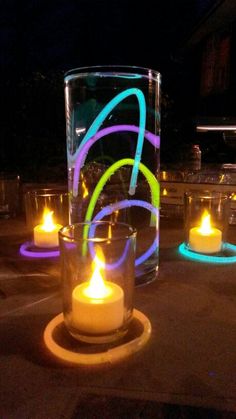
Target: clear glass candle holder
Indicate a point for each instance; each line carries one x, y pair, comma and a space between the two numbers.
97, 262
206, 221
113, 151
47, 211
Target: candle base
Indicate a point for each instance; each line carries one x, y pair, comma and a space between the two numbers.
62, 346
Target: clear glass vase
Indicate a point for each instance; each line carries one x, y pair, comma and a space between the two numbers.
113, 148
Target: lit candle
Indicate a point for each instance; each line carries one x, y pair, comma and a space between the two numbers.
97, 305
46, 234
205, 239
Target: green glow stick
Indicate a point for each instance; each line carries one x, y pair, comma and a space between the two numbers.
152, 181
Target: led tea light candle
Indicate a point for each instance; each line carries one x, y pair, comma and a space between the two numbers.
97, 305
98, 310
205, 238
46, 234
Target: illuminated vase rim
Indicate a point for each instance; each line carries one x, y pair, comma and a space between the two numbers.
68, 232
113, 71
207, 195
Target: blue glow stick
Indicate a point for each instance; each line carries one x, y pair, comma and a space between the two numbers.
142, 122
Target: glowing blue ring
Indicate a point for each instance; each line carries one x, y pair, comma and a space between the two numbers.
24, 251
108, 210
229, 246
199, 257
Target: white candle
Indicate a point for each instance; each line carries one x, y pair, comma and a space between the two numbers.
46, 234
97, 305
205, 239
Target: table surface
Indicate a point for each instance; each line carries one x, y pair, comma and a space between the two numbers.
189, 361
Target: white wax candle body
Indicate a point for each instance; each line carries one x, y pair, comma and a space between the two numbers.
44, 238
205, 243
98, 315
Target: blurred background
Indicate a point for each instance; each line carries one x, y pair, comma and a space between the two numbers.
192, 43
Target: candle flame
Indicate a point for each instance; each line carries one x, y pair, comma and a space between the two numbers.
205, 227
164, 193
97, 288
48, 224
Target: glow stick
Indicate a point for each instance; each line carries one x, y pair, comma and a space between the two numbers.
126, 204
142, 121
82, 152
25, 251
152, 181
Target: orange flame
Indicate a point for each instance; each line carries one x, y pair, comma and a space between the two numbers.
205, 226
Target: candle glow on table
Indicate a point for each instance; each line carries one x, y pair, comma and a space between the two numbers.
205, 238
46, 234
97, 305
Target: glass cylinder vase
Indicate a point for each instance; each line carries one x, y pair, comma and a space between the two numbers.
97, 262
113, 146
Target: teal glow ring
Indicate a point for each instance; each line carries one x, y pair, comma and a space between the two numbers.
199, 257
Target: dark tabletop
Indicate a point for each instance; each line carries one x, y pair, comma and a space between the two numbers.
187, 369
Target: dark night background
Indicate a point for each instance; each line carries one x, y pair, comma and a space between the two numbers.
42, 39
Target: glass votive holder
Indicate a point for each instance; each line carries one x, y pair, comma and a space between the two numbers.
97, 263
206, 221
9, 195
47, 211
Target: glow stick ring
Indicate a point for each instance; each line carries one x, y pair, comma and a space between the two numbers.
199, 257
25, 251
